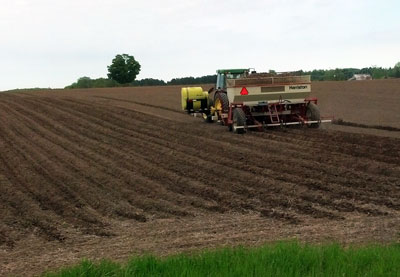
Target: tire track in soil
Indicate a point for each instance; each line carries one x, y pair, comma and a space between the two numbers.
56, 188
140, 103
343, 138
380, 188
358, 209
340, 142
301, 151
25, 206
76, 168
288, 145
213, 208
311, 210
119, 175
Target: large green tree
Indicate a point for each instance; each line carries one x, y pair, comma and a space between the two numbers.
123, 69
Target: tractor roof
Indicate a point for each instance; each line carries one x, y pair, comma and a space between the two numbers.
232, 71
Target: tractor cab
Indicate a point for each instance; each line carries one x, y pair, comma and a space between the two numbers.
224, 74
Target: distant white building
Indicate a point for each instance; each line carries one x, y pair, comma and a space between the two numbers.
360, 77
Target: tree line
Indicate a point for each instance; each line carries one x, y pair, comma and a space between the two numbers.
124, 69
87, 82
342, 74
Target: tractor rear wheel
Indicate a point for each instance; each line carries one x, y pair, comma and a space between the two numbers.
221, 105
313, 114
239, 120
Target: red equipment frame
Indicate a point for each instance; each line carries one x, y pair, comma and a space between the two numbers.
274, 114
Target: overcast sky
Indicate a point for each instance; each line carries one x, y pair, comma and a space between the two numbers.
48, 43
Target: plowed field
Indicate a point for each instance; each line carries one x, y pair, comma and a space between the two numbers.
111, 172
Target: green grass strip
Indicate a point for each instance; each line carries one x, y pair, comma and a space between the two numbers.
278, 259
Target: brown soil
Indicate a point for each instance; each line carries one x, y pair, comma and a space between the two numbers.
373, 102
109, 172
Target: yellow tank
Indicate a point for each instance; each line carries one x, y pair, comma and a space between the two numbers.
194, 99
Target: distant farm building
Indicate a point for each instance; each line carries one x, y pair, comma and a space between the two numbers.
360, 77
